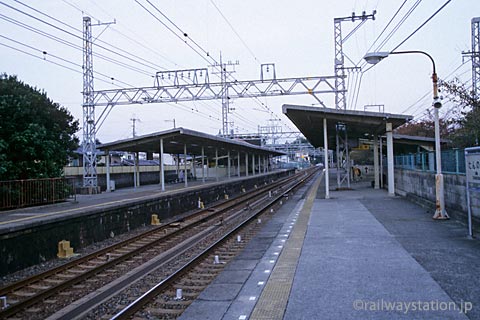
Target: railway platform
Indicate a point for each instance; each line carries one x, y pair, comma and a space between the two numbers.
359, 255
86, 202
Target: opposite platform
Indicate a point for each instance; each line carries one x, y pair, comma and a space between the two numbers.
30, 236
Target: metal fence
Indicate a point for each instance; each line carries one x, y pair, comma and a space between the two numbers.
34, 192
453, 161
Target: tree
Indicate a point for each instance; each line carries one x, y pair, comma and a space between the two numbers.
466, 121
36, 134
425, 128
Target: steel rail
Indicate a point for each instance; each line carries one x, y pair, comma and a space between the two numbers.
17, 307
143, 300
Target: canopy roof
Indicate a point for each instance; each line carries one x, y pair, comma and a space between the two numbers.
359, 124
175, 139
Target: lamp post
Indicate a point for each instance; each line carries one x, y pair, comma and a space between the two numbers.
440, 212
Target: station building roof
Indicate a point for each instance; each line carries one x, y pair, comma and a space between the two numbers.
175, 139
359, 124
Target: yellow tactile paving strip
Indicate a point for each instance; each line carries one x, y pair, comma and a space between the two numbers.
273, 300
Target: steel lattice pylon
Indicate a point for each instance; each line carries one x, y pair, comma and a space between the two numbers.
340, 94
198, 87
476, 56
339, 63
89, 149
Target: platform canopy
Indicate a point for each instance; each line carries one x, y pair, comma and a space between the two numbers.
359, 124
175, 139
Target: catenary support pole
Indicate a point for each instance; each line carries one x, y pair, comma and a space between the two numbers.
376, 168
390, 161
162, 167
203, 165
185, 172
325, 153
107, 159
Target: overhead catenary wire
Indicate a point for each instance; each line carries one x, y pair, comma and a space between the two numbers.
45, 54
181, 37
394, 30
49, 61
385, 28
429, 91
75, 35
181, 34
398, 25
60, 26
422, 25
235, 31
81, 31
410, 35
72, 45
247, 121
355, 95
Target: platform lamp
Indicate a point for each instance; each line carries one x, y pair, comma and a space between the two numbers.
440, 212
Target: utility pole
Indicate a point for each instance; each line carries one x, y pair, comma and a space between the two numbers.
173, 120
340, 87
134, 120
475, 56
226, 69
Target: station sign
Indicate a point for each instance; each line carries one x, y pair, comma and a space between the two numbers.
472, 173
472, 166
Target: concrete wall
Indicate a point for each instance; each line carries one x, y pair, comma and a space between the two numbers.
421, 186
28, 245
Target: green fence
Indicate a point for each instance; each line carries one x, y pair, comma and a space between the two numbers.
453, 161
34, 192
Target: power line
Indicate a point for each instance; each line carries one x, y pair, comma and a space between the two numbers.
385, 28
234, 31
355, 95
185, 35
429, 91
121, 33
49, 61
45, 54
71, 44
414, 6
399, 24
76, 36
422, 25
182, 37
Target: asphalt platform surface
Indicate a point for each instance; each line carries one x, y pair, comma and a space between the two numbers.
365, 255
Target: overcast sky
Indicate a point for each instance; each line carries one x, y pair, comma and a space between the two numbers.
295, 35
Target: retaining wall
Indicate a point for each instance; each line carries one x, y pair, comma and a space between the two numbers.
420, 186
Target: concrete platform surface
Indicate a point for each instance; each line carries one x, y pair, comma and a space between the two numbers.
362, 255
23, 217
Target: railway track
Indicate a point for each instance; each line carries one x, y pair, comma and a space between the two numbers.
163, 300
43, 295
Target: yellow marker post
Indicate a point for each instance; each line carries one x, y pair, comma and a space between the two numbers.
155, 221
64, 249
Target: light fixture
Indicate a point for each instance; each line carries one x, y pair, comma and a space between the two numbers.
375, 57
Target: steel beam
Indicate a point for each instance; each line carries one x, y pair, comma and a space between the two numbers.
212, 91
